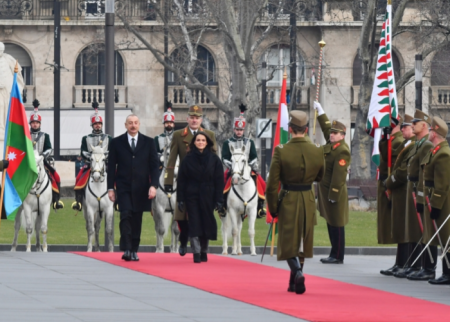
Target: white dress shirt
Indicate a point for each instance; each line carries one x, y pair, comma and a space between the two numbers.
133, 137
192, 131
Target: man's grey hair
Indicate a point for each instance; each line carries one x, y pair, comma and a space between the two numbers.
126, 120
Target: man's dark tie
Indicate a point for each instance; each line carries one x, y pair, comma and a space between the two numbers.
133, 145
195, 132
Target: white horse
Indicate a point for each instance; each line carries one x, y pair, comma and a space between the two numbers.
97, 204
35, 209
163, 208
242, 202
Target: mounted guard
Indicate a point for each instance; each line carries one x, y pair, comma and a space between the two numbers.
237, 142
164, 140
42, 144
96, 138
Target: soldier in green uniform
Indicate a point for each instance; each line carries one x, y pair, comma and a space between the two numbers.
162, 141
96, 138
42, 144
178, 149
296, 165
436, 175
333, 196
384, 224
414, 215
396, 185
237, 142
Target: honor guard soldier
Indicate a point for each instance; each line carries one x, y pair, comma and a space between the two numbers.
396, 185
333, 195
42, 144
178, 149
384, 222
415, 203
296, 165
237, 142
436, 176
96, 138
163, 140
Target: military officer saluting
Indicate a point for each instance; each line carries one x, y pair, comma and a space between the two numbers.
178, 149
42, 144
237, 142
96, 138
396, 185
163, 140
333, 196
296, 165
436, 175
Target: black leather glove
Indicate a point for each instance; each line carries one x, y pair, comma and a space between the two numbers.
219, 206
274, 215
181, 206
435, 213
419, 208
168, 188
5, 164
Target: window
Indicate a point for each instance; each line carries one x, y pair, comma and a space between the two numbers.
277, 58
24, 60
90, 67
357, 68
205, 69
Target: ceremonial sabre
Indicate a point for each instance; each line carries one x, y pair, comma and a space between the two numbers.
321, 44
435, 228
267, 239
421, 225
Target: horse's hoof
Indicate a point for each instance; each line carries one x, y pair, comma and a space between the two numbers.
225, 253
239, 254
13, 249
253, 254
159, 251
28, 250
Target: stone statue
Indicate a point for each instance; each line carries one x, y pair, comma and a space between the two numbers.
7, 64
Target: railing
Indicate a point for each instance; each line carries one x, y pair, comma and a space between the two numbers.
85, 95
301, 96
178, 97
355, 97
75, 9
439, 96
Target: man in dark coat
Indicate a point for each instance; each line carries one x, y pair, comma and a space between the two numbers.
133, 166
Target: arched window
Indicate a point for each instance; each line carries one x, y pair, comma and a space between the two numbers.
90, 67
24, 60
205, 68
278, 57
440, 68
357, 68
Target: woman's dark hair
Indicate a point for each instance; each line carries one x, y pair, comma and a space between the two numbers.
209, 145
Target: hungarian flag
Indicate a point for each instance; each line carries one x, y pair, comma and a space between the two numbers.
383, 103
22, 172
281, 132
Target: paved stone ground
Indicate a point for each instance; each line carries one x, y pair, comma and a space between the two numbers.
65, 287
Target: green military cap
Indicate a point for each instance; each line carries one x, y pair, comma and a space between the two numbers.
195, 110
439, 126
421, 116
408, 120
298, 118
337, 126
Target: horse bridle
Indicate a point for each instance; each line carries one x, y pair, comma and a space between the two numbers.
102, 178
240, 173
101, 171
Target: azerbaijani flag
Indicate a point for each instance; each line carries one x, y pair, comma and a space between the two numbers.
383, 103
282, 129
22, 171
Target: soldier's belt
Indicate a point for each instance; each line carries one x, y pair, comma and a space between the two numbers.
429, 184
414, 179
382, 177
295, 187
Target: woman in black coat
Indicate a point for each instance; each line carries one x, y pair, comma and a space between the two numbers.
200, 190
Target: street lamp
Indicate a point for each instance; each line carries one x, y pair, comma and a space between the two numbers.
263, 115
418, 77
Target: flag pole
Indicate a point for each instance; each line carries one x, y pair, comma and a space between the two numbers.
319, 73
16, 70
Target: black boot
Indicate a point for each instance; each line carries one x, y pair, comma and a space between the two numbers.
299, 279
223, 211
261, 212
57, 204
79, 196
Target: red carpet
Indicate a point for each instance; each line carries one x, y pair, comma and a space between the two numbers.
264, 286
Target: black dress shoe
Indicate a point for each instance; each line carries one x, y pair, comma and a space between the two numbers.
182, 250
403, 272
126, 256
134, 257
197, 258
299, 283
204, 257
331, 260
443, 280
424, 274
390, 271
